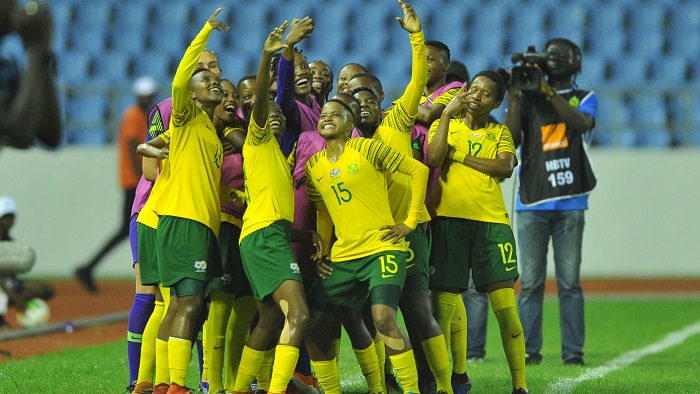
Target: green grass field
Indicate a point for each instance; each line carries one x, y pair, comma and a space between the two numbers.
619, 358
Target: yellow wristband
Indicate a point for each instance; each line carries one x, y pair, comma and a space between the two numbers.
459, 156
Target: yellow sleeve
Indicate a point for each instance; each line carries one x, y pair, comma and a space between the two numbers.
311, 191
378, 153
183, 75
228, 130
292, 158
505, 144
433, 129
257, 135
324, 226
419, 181
446, 97
419, 74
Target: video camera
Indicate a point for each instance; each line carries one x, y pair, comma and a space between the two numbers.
528, 78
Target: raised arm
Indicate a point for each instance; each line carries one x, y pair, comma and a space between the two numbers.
298, 30
261, 105
419, 69
188, 64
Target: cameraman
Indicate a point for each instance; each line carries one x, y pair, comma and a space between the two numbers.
28, 102
554, 124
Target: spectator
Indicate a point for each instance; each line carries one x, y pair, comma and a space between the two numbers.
16, 291
554, 125
28, 101
131, 131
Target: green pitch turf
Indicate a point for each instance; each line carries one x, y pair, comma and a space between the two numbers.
616, 328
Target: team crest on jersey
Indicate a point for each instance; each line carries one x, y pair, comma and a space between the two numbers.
335, 172
353, 169
200, 266
575, 101
294, 267
491, 137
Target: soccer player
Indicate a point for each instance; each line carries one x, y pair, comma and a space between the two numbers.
153, 150
346, 73
188, 205
471, 229
394, 129
265, 241
346, 180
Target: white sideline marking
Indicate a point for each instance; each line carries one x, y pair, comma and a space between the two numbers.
566, 385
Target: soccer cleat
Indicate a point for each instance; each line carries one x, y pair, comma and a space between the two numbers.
475, 359
575, 360
161, 388
253, 388
303, 384
130, 388
144, 388
428, 386
461, 384
177, 389
520, 390
533, 358
84, 275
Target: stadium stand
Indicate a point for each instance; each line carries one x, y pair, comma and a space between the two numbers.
629, 46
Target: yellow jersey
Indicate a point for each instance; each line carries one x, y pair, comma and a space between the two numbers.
463, 192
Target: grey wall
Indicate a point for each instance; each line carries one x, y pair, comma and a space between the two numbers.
643, 222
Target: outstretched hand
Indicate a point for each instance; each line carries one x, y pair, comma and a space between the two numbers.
215, 24
396, 232
300, 29
273, 43
410, 21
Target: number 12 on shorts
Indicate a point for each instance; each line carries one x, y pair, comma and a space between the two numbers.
507, 254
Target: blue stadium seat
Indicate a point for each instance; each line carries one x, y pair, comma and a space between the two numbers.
63, 12
92, 136
519, 41
330, 35
74, 67
130, 40
661, 138
684, 18
593, 72
685, 43
90, 39
568, 19
629, 71
648, 18
60, 39
607, 17
527, 20
452, 27
249, 28
87, 111
132, 15
373, 25
609, 42
93, 13
625, 138
495, 44
159, 65
670, 71
613, 115
169, 39
648, 112
113, 67
176, 14
234, 66
650, 44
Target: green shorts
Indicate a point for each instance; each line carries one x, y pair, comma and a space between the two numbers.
148, 263
461, 245
233, 279
417, 261
268, 259
354, 280
186, 249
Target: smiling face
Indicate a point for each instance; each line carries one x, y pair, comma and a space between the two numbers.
481, 97
205, 87
335, 121
322, 78
370, 112
302, 75
226, 111
345, 74
277, 120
